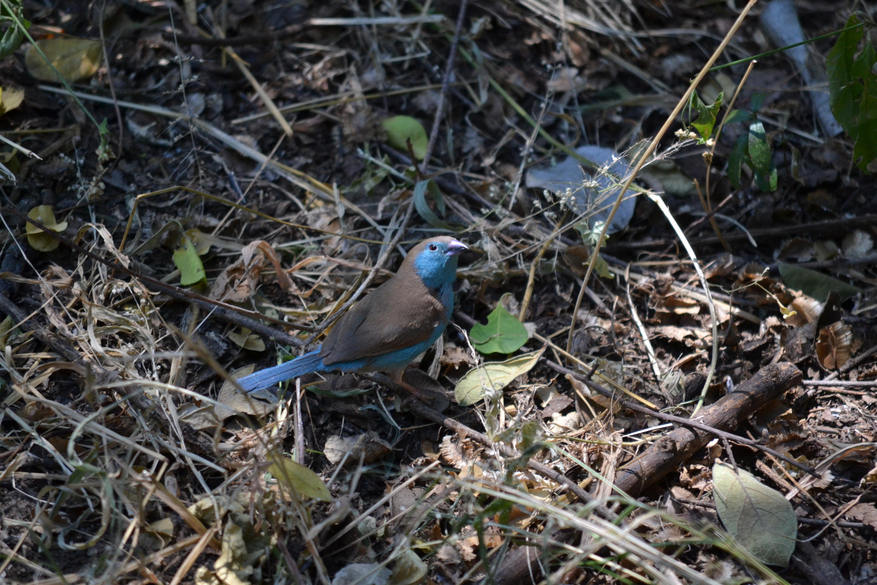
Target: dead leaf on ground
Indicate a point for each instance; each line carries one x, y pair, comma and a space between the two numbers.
238, 282
365, 449
834, 346
864, 513
75, 59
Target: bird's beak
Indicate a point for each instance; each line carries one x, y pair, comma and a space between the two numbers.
455, 248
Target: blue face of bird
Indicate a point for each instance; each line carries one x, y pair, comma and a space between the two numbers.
437, 262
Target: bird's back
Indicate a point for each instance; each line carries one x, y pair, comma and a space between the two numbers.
399, 314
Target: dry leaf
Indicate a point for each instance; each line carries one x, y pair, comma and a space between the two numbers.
470, 388
451, 452
857, 244
834, 346
246, 339
238, 282
757, 516
75, 59
807, 310
368, 448
865, 513
36, 237
10, 99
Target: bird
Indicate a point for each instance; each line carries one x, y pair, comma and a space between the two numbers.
390, 327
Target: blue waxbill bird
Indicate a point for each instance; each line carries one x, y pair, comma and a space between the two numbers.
390, 327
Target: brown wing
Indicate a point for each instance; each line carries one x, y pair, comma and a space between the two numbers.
400, 313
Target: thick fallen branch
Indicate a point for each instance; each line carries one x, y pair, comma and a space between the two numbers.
673, 449
522, 565
696, 424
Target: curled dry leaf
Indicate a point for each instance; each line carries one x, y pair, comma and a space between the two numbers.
246, 339
232, 566
577, 257
451, 452
857, 244
237, 282
834, 346
36, 237
799, 249
806, 310
367, 448
563, 424
10, 98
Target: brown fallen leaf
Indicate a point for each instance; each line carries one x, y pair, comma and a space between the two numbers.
864, 513
834, 346
368, 448
238, 282
75, 59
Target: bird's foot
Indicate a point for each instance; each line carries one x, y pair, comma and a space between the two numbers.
424, 388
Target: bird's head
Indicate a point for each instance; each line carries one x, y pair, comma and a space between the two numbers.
435, 260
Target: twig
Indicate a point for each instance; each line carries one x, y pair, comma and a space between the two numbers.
714, 320
650, 351
840, 383
677, 419
840, 226
531, 278
645, 155
229, 313
428, 413
449, 71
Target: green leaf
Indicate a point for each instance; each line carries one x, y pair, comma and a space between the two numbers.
188, 262
758, 517
852, 83
420, 203
602, 268
814, 284
738, 116
844, 95
756, 101
470, 388
735, 161
759, 148
7, 326
401, 129
865, 149
14, 35
502, 334
706, 121
298, 478
767, 183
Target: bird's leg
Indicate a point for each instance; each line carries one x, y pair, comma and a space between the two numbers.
396, 377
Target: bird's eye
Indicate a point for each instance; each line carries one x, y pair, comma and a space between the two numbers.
433, 247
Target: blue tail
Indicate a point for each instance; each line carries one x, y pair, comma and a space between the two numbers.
309, 362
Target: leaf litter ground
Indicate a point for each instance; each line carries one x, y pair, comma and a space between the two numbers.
128, 456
